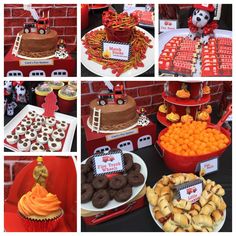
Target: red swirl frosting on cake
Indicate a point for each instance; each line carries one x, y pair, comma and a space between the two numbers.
39, 202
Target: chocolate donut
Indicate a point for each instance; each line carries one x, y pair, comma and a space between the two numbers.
112, 193
83, 178
100, 198
89, 163
118, 182
100, 182
89, 177
84, 169
123, 194
86, 193
135, 168
128, 159
135, 179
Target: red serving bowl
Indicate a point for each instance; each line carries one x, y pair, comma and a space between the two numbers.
188, 164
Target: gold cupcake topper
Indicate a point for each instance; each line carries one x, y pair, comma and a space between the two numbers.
40, 172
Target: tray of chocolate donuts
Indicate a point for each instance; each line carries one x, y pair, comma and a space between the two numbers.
173, 214
106, 192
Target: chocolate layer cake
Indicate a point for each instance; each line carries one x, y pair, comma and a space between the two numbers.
38, 45
114, 116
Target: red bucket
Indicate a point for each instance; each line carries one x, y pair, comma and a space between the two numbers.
123, 36
66, 104
187, 164
40, 96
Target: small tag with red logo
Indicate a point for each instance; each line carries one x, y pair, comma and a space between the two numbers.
116, 50
190, 191
108, 163
210, 166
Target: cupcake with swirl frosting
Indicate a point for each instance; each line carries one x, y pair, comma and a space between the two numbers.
40, 210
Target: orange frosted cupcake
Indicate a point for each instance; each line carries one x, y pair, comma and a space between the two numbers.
40, 210
183, 93
203, 116
186, 118
206, 90
173, 117
163, 108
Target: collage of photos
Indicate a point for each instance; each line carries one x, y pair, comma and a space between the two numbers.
118, 154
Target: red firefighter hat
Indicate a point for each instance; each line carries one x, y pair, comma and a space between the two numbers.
14, 83
205, 7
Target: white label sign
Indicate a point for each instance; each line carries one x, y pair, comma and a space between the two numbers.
107, 163
116, 51
36, 62
167, 25
191, 193
209, 166
127, 133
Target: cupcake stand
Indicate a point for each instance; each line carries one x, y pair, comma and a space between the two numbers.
61, 181
194, 103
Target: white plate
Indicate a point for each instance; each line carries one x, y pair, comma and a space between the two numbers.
97, 68
136, 190
59, 116
216, 229
165, 37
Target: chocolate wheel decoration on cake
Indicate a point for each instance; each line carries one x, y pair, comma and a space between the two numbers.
184, 99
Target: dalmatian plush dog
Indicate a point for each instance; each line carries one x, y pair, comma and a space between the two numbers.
201, 23
10, 110
20, 92
9, 104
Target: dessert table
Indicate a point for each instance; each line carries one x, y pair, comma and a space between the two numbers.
141, 220
95, 20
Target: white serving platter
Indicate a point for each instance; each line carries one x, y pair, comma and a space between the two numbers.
136, 190
72, 121
97, 68
216, 229
165, 37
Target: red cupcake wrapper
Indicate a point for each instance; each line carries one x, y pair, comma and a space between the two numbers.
41, 225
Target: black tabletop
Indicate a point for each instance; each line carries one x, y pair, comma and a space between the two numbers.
21, 106
141, 220
95, 20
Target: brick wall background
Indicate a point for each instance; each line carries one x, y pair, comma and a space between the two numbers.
146, 93
63, 18
12, 166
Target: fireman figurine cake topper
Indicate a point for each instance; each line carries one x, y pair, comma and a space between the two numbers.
40, 172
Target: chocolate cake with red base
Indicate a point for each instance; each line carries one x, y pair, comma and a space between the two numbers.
38, 45
115, 117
